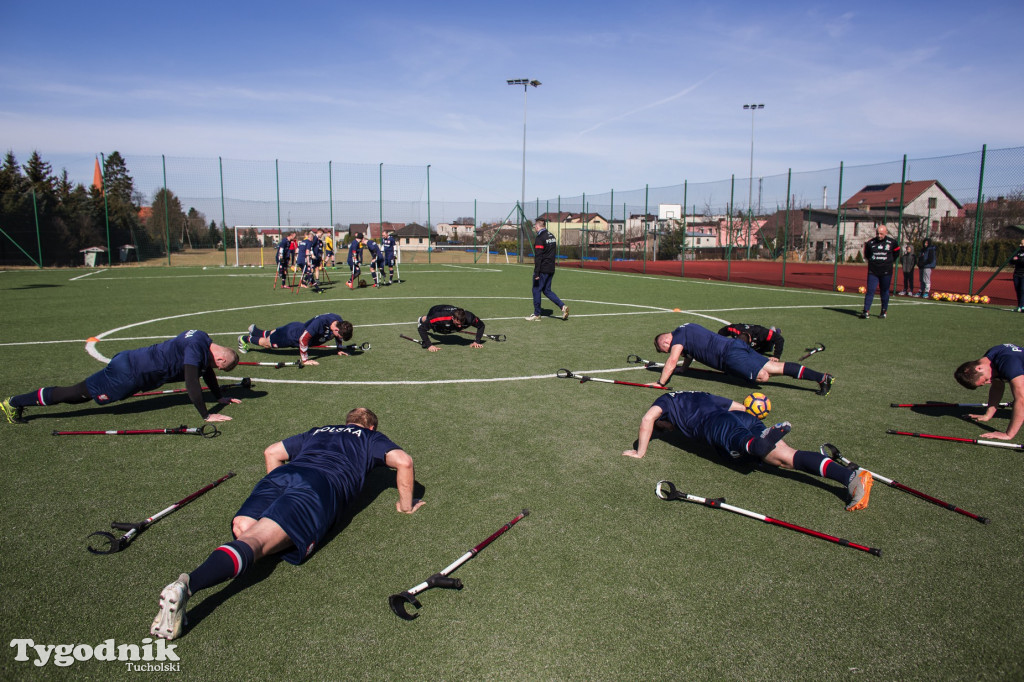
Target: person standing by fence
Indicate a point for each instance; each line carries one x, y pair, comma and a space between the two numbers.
908, 260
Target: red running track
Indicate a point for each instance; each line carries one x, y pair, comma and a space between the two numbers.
810, 275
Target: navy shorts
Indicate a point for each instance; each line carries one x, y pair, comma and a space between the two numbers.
299, 500
114, 382
743, 361
730, 432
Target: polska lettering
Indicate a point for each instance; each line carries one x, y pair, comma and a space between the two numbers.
64, 655
354, 430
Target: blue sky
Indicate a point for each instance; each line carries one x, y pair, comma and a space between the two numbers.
633, 93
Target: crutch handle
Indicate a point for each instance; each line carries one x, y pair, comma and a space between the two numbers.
447, 582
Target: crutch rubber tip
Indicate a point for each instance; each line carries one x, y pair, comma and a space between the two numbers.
526, 512
875, 551
246, 382
55, 433
984, 519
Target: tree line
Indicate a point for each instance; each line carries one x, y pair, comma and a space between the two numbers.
47, 219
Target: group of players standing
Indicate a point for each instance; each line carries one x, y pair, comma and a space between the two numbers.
315, 251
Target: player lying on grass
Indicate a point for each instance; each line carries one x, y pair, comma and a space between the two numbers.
447, 319
311, 479
186, 357
732, 356
999, 366
765, 340
725, 425
300, 335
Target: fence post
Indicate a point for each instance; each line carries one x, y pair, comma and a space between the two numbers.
583, 229
728, 249
611, 230
277, 190
106, 210
223, 220
977, 218
785, 229
39, 241
646, 195
682, 261
839, 203
167, 219
429, 247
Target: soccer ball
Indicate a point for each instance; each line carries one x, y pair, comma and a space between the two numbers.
758, 405
840, 288
862, 290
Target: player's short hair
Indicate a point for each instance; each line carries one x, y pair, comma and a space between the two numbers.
656, 337
345, 329
359, 235
459, 317
968, 374
227, 353
363, 417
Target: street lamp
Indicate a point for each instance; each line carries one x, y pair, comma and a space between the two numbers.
750, 194
526, 83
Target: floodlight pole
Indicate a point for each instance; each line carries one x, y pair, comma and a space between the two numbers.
750, 193
526, 83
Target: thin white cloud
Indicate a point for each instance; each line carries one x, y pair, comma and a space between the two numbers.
646, 107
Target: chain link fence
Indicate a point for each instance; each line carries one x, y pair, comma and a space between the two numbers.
183, 211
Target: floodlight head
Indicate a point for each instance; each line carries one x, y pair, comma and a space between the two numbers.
523, 81
753, 106
535, 83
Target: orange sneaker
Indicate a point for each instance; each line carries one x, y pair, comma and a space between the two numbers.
860, 490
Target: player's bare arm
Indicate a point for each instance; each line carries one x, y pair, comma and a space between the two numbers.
643, 438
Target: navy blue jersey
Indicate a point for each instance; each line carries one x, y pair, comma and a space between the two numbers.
691, 411
706, 417
881, 254
1007, 361
355, 252
343, 454
154, 366
389, 245
702, 344
544, 252
317, 247
302, 251
283, 253
375, 254
318, 330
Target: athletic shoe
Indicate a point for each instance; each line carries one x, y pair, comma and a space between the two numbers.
825, 387
169, 622
15, 415
565, 312
860, 490
243, 348
882, 315
865, 315
776, 433
533, 318
349, 284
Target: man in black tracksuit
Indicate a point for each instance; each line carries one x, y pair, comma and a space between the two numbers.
448, 319
544, 253
765, 340
880, 253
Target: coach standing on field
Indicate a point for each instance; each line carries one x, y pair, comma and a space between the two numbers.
880, 253
545, 250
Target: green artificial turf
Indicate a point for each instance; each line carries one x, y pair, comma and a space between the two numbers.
602, 580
